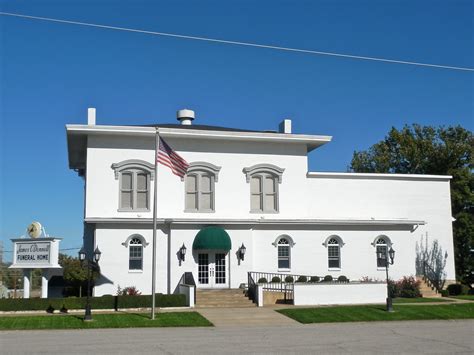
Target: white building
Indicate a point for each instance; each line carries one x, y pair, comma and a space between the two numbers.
255, 188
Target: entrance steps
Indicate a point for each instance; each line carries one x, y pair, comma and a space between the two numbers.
426, 290
234, 298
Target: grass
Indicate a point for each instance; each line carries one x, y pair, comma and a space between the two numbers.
122, 320
400, 300
464, 297
378, 313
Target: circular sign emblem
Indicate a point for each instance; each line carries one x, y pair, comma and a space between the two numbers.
34, 229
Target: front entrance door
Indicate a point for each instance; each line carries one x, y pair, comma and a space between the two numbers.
212, 270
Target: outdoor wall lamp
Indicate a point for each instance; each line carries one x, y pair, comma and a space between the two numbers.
385, 256
242, 251
92, 265
182, 253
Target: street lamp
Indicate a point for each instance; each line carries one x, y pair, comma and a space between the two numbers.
383, 255
91, 264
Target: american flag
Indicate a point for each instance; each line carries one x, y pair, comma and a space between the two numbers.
171, 159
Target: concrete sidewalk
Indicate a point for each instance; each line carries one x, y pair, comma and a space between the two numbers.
247, 317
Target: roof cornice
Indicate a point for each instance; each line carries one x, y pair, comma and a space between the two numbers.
377, 176
313, 141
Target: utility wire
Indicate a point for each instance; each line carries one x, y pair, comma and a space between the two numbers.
248, 44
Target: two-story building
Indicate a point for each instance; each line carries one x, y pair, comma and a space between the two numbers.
244, 190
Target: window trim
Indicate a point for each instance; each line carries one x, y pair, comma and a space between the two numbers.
130, 258
291, 244
388, 244
287, 245
198, 169
134, 166
144, 244
134, 191
263, 171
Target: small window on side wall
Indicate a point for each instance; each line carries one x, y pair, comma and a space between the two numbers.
135, 261
381, 252
334, 254
283, 254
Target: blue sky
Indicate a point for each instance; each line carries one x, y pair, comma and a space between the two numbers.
51, 73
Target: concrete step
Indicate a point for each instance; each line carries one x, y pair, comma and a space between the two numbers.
222, 298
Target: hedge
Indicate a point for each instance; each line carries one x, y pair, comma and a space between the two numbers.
105, 302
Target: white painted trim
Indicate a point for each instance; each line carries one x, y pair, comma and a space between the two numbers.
266, 221
315, 140
337, 175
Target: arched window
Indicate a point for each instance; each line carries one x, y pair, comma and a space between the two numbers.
264, 180
134, 184
381, 251
284, 254
200, 187
334, 253
135, 261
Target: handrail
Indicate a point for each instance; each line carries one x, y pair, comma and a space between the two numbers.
431, 277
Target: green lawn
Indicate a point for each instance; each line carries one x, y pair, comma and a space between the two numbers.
418, 300
122, 320
464, 297
378, 313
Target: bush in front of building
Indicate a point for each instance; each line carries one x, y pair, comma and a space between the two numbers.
327, 278
276, 279
342, 278
457, 289
289, 279
407, 287
105, 302
302, 279
314, 279
262, 280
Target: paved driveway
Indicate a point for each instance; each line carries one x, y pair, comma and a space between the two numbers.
414, 337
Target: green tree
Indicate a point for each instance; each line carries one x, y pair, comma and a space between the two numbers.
75, 272
441, 150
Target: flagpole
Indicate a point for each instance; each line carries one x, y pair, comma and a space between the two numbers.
155, 194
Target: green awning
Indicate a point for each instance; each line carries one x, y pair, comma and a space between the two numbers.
213, 237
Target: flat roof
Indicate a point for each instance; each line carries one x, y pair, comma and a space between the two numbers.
77, 136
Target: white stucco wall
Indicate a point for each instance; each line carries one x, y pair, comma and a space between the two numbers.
334, 293
301, 196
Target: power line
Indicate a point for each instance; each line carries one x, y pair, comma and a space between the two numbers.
247, 44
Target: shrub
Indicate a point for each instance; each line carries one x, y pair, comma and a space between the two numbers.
409, 287
289, 279
457, 289
444, 293
276, 279
314, 279
327, 278
342, 278
262, 280
128, 291
302, 279
105, 302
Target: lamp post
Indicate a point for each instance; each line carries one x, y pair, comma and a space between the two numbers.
385, 256
92, 263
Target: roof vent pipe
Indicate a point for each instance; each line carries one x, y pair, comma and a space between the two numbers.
185, 116
285, 126
91, 116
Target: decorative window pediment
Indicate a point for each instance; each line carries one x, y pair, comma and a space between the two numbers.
284, 239
133, 164
263, 168
333, 239
201, 166
132, 238
382, 240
